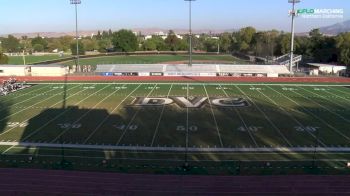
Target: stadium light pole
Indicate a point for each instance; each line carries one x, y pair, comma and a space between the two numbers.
76, 3
190, 30
292, 37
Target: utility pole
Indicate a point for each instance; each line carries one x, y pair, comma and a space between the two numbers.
76, 3
293, 13
190, 31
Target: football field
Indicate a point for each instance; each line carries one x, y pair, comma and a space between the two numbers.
175, 121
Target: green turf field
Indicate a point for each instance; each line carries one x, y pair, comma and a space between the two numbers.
18, 60
151, 59
99, 123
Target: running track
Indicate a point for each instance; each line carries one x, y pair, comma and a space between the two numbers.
187, 79
54, 182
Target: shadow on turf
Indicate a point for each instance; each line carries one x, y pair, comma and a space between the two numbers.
4, 112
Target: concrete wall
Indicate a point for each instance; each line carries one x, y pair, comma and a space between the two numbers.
28, 70
12, 71
49, 71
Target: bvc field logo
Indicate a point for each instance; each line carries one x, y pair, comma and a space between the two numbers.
190, 102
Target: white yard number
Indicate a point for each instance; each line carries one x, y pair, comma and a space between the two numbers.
57, 87
249, 128
256, 89
123, 127
17, 124
121, 88
222, 88
69, 126
189, 88
192, 128
306, 129
320, 89
289, 89
151, 88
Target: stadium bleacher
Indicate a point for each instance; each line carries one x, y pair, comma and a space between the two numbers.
194, 70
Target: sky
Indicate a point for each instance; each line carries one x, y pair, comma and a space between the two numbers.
25, 16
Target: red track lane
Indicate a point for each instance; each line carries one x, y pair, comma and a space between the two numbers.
186, 79
54, 182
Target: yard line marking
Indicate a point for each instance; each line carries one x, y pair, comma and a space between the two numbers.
160, 118
30, 92
187, 120
315, 116
242, 120
266, 117
214, 117
338, 96
345, 92
59, 115
292, 117
324, 98
107, 117
340, 116
176, 149
26, 108
86, 113
28, 100
133, 118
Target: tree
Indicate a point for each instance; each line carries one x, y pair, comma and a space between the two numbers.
225, 42
172, 41
73, 48
343, 46
38, 48
149, 45
40, 41
246, 37
90, 44
3, 59
65, 42
211, 45
10, 44
124, 41
104, 45
54, 44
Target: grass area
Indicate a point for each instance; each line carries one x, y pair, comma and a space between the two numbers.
100, 117
155, 59
18, 60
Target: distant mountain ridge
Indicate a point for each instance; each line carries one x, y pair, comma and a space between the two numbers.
336, 28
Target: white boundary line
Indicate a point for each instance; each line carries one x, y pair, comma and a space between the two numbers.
214, 117
266, 117
133, 118
107, 117
314, 115
160, 118
176, 149
207, 83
